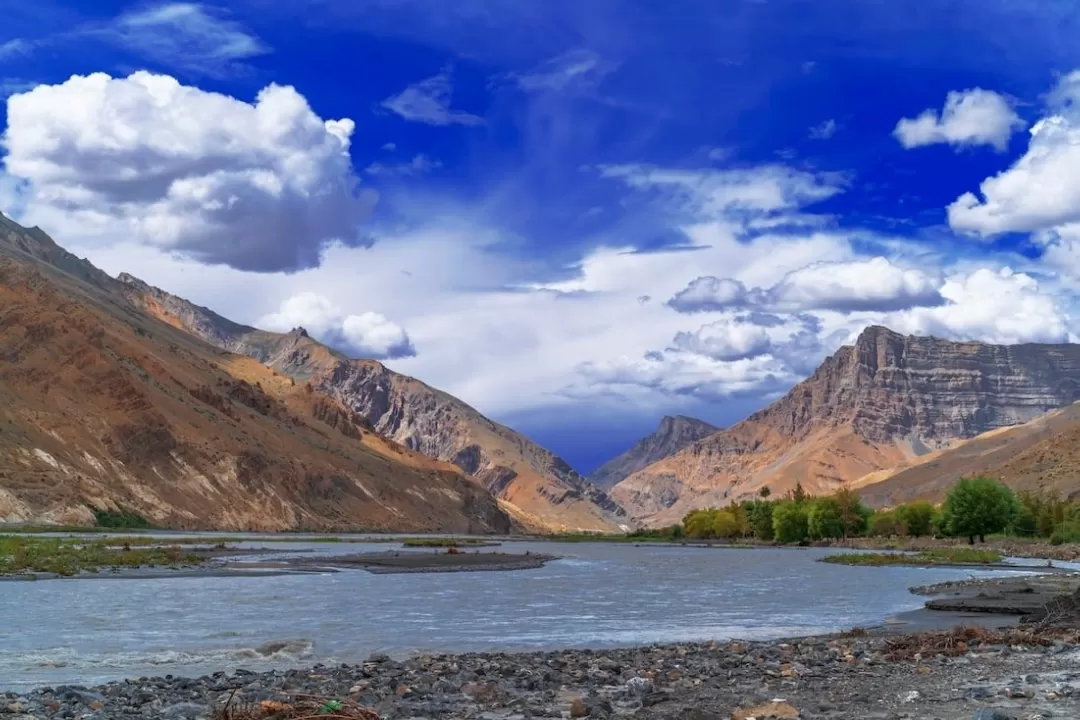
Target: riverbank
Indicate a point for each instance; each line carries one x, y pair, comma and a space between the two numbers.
951, 676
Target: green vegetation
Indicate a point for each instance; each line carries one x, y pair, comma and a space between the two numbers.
121, 520
935, 556
71, 556
978, 506
436, 542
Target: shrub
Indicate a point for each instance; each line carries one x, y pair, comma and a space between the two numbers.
917, 518
1066, 532
726, 525
760, 517
887, 524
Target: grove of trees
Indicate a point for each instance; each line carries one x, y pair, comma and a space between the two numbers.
974, 508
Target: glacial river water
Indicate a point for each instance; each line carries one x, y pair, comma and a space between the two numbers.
89, 630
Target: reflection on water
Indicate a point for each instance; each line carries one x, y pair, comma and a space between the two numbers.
88, 631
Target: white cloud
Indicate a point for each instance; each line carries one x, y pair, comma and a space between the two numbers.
970, 117
186, 35
709, 194
864, 285
708, 293
264, 186
573, 69
726, 339
15, 48
389, 147
368, 334
1042, 189
824, 130
419, 165
428, 101
1003, 307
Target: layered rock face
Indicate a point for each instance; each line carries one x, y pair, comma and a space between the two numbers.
540, 489
875, 405
672, 435
104, 407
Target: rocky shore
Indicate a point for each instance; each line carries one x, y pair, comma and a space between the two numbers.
959, 675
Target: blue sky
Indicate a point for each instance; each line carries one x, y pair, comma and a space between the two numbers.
577, 216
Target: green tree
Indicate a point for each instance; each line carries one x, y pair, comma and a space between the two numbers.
764, 492
917, 517
887, 524
726, 525
853, 513
790, 522
798, 494
825, 519
698, 524
978, 506
760, 515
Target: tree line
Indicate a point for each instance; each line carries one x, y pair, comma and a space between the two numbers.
974, 508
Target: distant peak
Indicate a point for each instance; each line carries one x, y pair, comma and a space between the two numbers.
129, 279
669, 422
299, 331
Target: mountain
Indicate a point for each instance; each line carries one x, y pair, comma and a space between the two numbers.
877, 404
1043, 454
104, 407
540, 489
673, 434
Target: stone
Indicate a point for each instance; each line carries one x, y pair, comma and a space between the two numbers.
992, 714
910, 696
186, 711
578, 708
775, 710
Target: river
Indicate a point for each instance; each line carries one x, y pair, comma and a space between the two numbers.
598, 595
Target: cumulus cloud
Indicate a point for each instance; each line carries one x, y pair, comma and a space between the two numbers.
865, 285
428, 101
369, 334
264, 186
1042, 189
1000, 306
726, 339
970, 117
875, 284
708, 293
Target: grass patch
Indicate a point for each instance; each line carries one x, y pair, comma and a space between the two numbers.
434, 542
933, 556
71, 556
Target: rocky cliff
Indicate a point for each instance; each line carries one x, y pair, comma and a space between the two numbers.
538, 487
104, 407
878, 404
672, 435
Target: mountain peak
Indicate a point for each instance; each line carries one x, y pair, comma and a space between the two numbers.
674, 433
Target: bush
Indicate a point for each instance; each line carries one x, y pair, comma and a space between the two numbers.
978, 506
917, 518
121, 519
887, 524
790, 522
1066, 532
726, 525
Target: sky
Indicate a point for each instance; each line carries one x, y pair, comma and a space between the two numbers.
576, 216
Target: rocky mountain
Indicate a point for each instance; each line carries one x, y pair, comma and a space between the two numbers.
673, 434
102, 406
1043, 454
877, 404
540, 489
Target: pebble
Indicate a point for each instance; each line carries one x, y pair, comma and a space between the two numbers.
808, 679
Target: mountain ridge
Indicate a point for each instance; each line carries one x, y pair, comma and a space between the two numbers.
537, 486
105, 407
673, 433
875, 404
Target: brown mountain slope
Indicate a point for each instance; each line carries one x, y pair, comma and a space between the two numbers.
877, 404
1041, 454
103, 407
672, 435
536, 486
